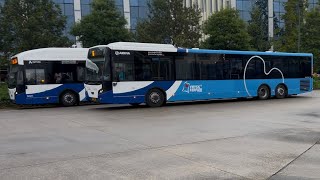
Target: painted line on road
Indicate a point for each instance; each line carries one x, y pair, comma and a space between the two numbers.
294, 160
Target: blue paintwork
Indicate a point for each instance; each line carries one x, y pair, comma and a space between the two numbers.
210, 89
50, 96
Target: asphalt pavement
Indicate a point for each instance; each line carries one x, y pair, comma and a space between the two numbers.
222, 139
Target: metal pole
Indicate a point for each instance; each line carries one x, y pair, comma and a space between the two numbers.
270, 22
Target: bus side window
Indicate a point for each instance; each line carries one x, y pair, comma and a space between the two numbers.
80, 74
20, 78
185, 66
35, 76
31, 76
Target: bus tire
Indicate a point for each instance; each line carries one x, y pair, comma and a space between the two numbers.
68, 98
155, 98
263, 92
281, 91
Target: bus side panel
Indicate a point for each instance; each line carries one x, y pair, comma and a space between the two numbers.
223, 89
199, 90
250, 87
46, 94
133, 92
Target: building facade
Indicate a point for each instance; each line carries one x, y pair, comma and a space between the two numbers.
209, 7
133, 10
245, 7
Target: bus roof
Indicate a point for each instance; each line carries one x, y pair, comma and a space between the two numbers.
53, 54
131, 46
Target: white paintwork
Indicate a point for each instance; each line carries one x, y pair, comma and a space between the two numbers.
132, 46
33, 89
53, 54
173, 89
92, 90
125, 87
82, 94
12, 93
264, 70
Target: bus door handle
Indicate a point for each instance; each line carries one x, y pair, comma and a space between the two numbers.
114, 83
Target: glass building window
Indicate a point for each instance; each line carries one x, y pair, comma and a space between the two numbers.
67, 9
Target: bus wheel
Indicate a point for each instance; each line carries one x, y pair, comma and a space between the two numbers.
155, 98
281, 91
68, 99
263, 92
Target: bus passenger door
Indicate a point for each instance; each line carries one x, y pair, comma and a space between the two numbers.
36, 89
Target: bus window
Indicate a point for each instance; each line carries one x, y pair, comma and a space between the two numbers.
35, 76
162, 68
80, 74
185, 67
154, 67
305, 67
293, 67
236, 66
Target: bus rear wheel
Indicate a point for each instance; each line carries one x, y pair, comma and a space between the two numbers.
281, 91
68, 98
263, 92
155, 98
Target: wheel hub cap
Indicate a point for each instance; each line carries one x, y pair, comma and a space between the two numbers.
281, 91
154, 97
263, 93
68, 98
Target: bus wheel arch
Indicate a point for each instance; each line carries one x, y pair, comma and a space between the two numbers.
156, 97
264, 92
281, 91
69, 97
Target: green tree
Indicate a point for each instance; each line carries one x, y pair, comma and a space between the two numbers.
293, 23
258, 30
170, 20
310, 35
226, 30
104, 25
258, 26
30, 24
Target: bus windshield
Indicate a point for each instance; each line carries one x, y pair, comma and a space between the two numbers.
97, 66
94, 70
15, 76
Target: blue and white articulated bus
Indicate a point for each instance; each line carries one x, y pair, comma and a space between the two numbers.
135, 73
48, 76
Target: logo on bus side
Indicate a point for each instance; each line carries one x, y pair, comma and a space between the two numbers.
34, 62
188, 88
117, 53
